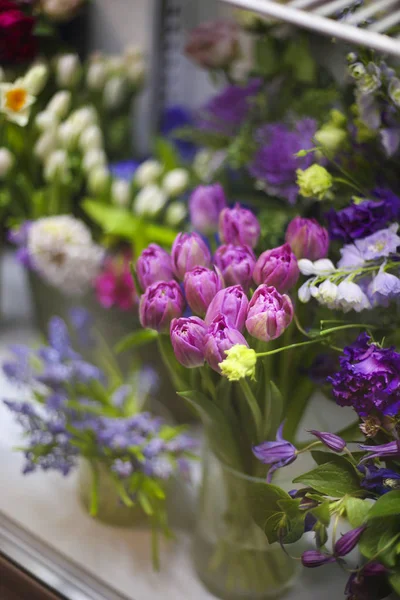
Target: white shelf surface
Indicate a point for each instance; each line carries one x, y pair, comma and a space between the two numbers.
45, 505
369, 25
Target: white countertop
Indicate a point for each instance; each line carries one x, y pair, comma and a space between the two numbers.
46, 505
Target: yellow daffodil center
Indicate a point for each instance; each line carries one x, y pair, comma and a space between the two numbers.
16, 99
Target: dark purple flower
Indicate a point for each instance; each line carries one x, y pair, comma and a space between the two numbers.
369, 378
201, 286
239, 226
358, 220
226, 111
189, 250
275, 163
379, 479
232, 303
220, 338
277, 267
160, 304
313, 558
154, 264
269, 313
332, 441
205, 206
236, 264
368, 584
389, 450
307, 238
277, 454
348, 541
188, 341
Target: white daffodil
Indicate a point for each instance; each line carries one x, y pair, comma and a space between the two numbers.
16, 102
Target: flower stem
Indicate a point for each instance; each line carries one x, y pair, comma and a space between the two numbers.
253, 405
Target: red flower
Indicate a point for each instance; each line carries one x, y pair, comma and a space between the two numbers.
17, 42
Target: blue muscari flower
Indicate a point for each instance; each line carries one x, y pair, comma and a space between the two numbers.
124, 169
121, 395
19, 370
123, 468
82, 322
153, 447
276, 454
159, 466
176, 117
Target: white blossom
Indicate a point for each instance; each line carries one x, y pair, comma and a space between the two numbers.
36, 79
148, 172
46, 144
91, 138
175, 213
99, 180
120, 192
94, 158
7, 161
59, 104
150, 200
351, 297
96, 75
68, 70
304, 292
56, 166
175, 182
115, 92
46, 120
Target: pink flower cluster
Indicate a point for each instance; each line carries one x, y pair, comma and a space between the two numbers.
114, 286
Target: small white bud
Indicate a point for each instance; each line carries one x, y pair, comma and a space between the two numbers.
148, 172
328, 292
150, 200
35, 79
98, 181
7, 161
46, 144
96, 75
115, 92
56, 165
306, 266
67, 135
120, 192
84, 117
324, 266
59, 104
175, 182
46, 120
93, 159
175, 213
91, 138
304, 292
68, 70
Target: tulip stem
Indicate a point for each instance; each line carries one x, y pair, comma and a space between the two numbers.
253, 405
297, 345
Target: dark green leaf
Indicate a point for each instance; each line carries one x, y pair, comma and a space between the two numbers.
136, 340
381, 534
166, 154
322, 513
394, 581
272, 526
386, 506
332, 479
264, 507
357, 510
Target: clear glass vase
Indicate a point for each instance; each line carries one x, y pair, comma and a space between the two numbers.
231, 553
110, 508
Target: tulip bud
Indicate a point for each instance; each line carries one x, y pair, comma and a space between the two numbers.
205, 206
175, 182
120, 192
91, 138
99, 181
45, 120
59, 104
46, 144
154, 264
68, 70
239, 226
35, 79
331, 440
162, 302
93, 159
307, 238
56, 166
115, 92
201, 285
96, 75
236, 264
277, 267
220, 337
269, 313
150, 200
6, 162
189, 250
188, 341
148, 172
231, 302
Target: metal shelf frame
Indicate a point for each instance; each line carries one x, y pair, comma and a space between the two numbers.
367, 25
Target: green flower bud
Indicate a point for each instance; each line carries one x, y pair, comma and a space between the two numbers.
314, 182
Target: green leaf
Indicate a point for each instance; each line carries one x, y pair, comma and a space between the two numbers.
357, 510
272, 525
136, 340
332, 479
387, 505
166, 154
294, 520
381, 534
394, 581
273, 411
265, 56
264, 507
322, 513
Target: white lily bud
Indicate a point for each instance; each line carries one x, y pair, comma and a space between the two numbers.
59, 104
91, 138
7, 161
120, 192
98, 181
68, 70
93, 159
115, 92
96, 75
36, 78
176, 182
175, 213
150, 200
45, 145
56, 165
46, 120
148, 172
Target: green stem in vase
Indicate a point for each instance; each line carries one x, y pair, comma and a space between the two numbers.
94, 496
253, 405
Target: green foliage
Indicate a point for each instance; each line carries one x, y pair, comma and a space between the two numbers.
387, 505
380, 540
166, 153
137, 339
357, 510
264, 506
333, 479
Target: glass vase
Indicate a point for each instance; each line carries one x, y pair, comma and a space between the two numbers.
231, 553
110, 508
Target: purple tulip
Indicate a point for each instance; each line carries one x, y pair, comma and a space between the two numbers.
189, 250
239, 226
201, 285
154, 264
205, 205
236, 264
332, 441
188, 341
161, 302
307, 238
348, 541
232, 303
277, 454
220, 337
313, 558
277, 267
269, 313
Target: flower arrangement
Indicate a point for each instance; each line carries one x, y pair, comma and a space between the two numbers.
76, 412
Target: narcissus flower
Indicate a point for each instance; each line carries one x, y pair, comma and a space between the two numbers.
16, 102
240, 362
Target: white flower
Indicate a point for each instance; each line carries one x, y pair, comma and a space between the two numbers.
148, 172
306, 266
93, 159
320, 267
120, 192
304, 292
351, 297
16, 102
46, 144
68, 70
328, 293
7, 161
96, 75
60, 10
56, 166
91, 138
84, 117
64, 253
59, 104
207, 162
150, 200
46, 120
175, 213
36, 78
67, 134
115, 92
175, 182
99, 180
